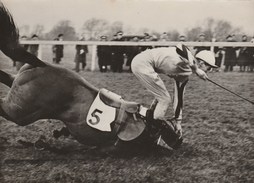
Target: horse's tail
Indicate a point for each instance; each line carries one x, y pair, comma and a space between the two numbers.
9, 40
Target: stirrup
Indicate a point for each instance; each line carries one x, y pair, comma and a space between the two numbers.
162, 143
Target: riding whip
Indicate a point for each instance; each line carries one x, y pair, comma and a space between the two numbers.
230, 91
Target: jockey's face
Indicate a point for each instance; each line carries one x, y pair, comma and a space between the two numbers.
203, 65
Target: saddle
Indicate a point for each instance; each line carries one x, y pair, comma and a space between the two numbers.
116, 101
127, 126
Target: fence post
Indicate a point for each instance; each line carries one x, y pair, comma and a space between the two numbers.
40, 52
212, 46
94, 56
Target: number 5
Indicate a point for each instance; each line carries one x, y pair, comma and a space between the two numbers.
95, 115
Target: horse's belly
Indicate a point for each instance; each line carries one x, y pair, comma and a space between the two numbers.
87, 135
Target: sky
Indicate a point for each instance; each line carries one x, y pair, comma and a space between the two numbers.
159, 15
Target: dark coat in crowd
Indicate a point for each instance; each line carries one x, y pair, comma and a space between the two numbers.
201, 48
131, 52
230, 56
104, 57
218, 56
117, 57
80, 57
245, 56
33, 48
57, 52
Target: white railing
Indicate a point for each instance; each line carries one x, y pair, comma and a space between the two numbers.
94, 45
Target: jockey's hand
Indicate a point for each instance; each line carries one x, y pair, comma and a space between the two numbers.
201, 74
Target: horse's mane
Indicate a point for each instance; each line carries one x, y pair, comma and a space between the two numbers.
9, 40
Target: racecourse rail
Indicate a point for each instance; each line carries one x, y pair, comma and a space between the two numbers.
94, 45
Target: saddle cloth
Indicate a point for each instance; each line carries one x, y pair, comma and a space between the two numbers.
127, 125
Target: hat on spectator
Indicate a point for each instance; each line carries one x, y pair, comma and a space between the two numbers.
182, 38
24, 37
229, 36
208, 57
119, 33
146, 34
201, 34
34, 36
104, 37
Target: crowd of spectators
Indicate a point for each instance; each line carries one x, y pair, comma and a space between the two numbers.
113, 57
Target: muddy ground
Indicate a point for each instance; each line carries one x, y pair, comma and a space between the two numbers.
217, 127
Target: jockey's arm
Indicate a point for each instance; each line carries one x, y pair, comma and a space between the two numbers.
178, 103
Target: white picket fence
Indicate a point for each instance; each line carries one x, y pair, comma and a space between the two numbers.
94, 44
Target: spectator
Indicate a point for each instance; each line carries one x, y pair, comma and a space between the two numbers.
218, 51
25, 46
201, 38
164, 37
230, 55
244, 57
58, 50
118, 54
54, 51
154, 38
104, 55
252, 40
218, 57
146, 38
33, 48
233, 37
182, 38
251, 64
80, 57
132, 51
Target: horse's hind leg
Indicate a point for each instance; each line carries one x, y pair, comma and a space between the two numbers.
6, 79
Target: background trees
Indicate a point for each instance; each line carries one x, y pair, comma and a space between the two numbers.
63, 27
93, 28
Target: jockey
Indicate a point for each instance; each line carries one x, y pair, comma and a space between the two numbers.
176, 62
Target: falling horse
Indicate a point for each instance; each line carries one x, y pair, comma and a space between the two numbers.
44, 91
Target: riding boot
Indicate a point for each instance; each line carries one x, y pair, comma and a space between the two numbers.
168, 133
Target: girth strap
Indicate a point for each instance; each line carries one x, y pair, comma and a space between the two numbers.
121, 117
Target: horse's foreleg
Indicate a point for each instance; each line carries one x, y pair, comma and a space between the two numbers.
6, 79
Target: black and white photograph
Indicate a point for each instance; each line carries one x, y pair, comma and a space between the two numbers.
146, 91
